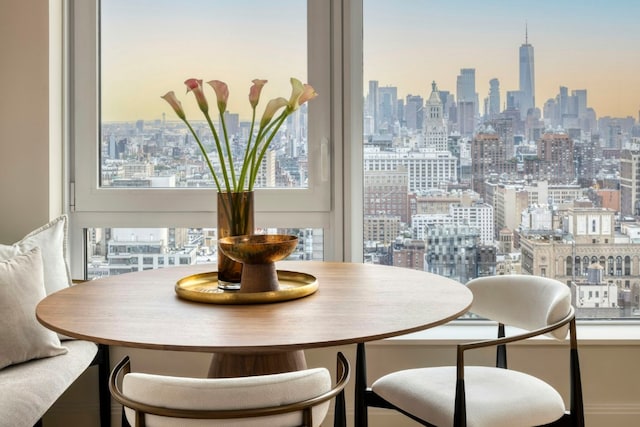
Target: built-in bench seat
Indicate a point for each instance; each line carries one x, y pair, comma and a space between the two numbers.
36, 367
29, 389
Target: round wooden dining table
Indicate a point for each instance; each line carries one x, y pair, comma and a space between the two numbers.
354, 303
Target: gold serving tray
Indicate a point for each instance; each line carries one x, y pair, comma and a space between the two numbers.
203, 287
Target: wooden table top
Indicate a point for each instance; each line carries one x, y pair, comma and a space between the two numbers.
354, 303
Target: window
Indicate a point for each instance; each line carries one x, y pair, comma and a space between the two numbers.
504, 128
142, 144
134, 164
427, 111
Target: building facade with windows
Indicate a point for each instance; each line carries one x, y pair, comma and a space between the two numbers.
451, 251
630, 182
426, 170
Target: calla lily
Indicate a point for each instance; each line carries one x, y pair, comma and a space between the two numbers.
195, 86
254, 92
308, 94
273, 106
297, 88
258, 143
222, 93
170, 97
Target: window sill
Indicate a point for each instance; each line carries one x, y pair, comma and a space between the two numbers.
590, 332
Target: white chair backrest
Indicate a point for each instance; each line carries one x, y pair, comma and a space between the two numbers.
230, 394
524, 301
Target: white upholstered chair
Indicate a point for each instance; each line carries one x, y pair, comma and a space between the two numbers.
482, 396
298, 398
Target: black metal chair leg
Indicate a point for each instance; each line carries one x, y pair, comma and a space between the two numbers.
102, 361
361, 416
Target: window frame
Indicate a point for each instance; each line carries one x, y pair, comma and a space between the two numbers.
328, 203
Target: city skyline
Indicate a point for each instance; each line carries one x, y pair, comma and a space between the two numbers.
577, 45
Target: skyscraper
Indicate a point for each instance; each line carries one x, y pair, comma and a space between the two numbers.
467, 100
372, 104
413, 112
493, 107
387, 107
435, 127
527, 77
466, 85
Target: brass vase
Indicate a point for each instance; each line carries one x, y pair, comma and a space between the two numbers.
235, 218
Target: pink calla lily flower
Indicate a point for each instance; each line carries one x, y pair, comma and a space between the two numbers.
222, 93
308, 94
195, 86
170, 97
254, 92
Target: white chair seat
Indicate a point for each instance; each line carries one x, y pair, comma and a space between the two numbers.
228, 393
495, 397
293, 398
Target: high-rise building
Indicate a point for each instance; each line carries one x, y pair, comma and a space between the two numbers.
478, 215
381, 228
372, 104
504, 127
426, 170
467, 100
451, 251
508, 203
488, 156
387, 108
630, 182
580, 102
527, 77
493, 105
414, 112
386, 193
466, 85
466, 115
555, 152
435, 127
562, 101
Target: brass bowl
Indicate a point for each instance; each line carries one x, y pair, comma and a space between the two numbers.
258, 248
258, 254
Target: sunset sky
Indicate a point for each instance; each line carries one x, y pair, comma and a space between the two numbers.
151, 46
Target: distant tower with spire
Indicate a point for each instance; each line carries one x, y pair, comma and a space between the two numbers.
527, 76
435, 127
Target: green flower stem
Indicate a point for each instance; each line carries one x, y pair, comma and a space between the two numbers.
223, 165
229, 155
204, 153
256, 166
245, 163
261, 133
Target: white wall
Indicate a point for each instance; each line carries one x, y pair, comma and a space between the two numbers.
31, 194
30, 131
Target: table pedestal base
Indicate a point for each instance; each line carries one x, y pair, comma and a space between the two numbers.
225, 365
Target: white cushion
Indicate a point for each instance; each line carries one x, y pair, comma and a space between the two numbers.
521, 300
229, 393
29, 389
494, 397
22, 337
51, 238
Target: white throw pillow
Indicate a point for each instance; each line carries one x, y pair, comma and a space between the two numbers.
51, 238
22, 337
